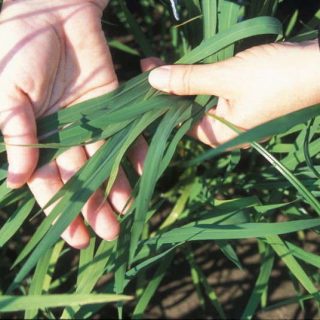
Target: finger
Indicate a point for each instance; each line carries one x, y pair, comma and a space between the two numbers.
210, 79
148, 64
204, 130
213, 132
137, 154
44, 184
17, 123
97, 212
210, 130
120, 193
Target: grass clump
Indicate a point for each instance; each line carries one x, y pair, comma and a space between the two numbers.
214, 197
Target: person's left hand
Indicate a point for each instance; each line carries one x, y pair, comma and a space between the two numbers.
255, 86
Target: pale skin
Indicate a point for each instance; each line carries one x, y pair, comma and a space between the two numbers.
53, 54
255, 86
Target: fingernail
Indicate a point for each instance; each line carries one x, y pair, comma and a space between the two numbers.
12, 182
113, 239
160, 78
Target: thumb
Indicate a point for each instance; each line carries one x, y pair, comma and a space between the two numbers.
18, 126
209, 79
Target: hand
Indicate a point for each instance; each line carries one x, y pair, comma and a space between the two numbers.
54, 54
255, 86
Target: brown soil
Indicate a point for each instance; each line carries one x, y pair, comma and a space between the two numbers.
177, 299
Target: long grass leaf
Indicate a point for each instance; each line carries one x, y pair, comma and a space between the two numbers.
38, 279
137, 32
151, 288
152, 165
273, 127
227, 232
91, 268
307, 257
20, 303
307, 195
86, 182
260, 285
15, 221
245, 29
200, 280
292, 264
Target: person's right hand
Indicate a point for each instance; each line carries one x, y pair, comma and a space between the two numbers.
255, 86
54, 54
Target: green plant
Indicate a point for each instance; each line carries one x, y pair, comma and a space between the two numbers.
290, 186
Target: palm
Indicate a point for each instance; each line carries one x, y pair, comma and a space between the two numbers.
65, 59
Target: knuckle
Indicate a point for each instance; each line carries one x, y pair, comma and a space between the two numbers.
186, 76
28, 84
